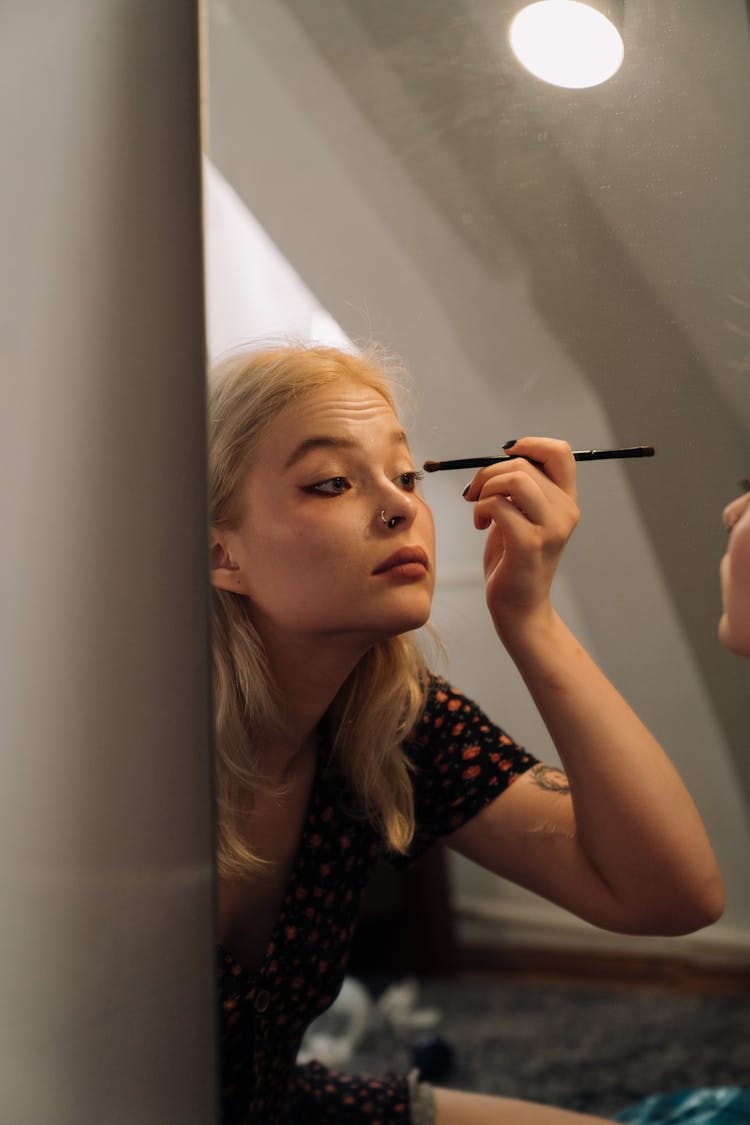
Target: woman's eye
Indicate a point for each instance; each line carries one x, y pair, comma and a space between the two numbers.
333, 486
408, 481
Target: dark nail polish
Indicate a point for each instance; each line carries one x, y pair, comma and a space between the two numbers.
468, 486
510, 444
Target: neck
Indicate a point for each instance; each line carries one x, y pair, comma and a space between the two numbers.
282, 757
307, 679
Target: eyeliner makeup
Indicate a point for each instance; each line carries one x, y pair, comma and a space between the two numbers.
579, 455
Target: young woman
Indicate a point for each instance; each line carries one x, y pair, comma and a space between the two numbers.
734, 624
336, 744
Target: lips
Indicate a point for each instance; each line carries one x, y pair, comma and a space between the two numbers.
404, 557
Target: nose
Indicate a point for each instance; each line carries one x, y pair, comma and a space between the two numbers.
398, 509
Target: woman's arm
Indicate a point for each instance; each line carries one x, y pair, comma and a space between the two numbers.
616, 838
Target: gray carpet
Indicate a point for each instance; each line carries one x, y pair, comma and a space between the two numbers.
581, 1048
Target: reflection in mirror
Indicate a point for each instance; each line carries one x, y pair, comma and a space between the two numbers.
546, 261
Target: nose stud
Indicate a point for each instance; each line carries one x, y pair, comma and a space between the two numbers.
388, 522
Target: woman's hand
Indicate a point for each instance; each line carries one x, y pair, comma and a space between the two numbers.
607, 850
531, 512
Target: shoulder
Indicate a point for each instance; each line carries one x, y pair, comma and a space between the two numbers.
460, 761
456, 741
442, 701
449, 716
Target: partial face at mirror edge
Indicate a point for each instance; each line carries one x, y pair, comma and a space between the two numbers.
734, 625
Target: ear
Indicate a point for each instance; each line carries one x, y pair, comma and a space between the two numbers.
225, 572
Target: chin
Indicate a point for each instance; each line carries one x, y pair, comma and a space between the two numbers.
737, 644
406, 622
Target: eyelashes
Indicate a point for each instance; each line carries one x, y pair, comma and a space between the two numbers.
333, 486
337, 486
410, 479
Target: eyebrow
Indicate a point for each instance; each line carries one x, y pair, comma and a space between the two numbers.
324, 441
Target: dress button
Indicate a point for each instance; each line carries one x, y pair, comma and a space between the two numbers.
262, 1000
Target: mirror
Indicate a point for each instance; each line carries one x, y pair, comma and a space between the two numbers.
575, 263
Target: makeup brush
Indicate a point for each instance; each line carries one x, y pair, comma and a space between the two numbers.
578, 455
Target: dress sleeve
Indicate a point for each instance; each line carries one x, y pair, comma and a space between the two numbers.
462, 761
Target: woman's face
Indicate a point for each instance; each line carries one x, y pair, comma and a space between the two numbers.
734, 626
312, 551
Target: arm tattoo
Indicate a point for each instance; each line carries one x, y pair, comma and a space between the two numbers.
549, 778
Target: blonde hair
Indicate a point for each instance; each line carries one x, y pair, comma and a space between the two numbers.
382, 698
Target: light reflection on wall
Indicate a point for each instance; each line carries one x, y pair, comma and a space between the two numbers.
252, 292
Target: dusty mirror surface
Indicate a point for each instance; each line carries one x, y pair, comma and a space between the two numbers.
574, 263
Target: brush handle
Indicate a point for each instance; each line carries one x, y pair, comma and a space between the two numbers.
578, 455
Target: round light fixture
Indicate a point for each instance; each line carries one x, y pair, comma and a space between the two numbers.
567, 43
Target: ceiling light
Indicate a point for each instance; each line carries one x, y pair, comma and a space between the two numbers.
569, 43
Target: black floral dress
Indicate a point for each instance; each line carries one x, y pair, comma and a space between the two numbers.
463, 761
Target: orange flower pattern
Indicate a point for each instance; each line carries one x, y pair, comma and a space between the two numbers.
462, 762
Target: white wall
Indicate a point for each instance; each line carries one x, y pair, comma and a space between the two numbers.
384, 262
106, 940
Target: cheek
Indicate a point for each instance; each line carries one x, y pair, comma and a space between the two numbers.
308, 551
426, 523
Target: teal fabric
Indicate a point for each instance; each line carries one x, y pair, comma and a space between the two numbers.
718, 1105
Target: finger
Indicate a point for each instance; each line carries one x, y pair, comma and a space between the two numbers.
553, 465
501, 475
518, 518
553, 456
512, 495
